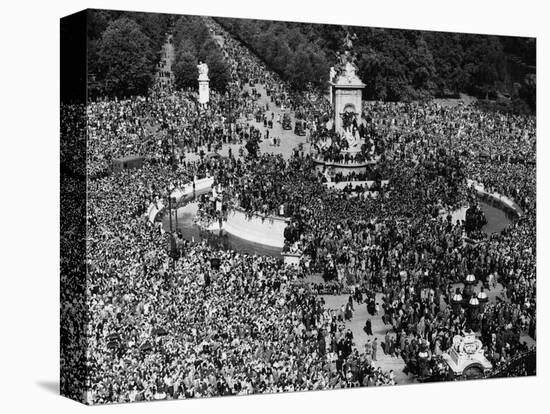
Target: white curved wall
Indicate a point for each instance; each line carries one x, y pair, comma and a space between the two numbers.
342, 184
503, 201
267, 231
201, 185
499, 198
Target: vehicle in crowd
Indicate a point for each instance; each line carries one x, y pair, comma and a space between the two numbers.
300, 127
286, 121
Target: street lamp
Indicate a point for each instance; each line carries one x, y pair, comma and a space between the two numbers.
170, 210
176, 211
473, 308
456, 301
469, 283
483, 299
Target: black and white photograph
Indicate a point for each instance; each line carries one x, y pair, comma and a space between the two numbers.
278, 206
274, 207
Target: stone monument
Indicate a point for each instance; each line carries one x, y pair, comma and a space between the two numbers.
466, 358
331, 76
346, 94
204, 83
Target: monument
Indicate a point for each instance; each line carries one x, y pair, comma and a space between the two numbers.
346, 91
331, 76
204, 83
466, 358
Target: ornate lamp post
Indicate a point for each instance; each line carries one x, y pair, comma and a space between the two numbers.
469, 283
456, 301
483, 299
176, 212
423, 358
170, 209
473, 311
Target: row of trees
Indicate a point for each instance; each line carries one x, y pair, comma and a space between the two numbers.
398, 65
123, 50
193, 44
285, 48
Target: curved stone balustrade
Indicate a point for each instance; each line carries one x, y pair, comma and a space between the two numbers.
203, 185
341, 184
504, 202
257, 228
343, 164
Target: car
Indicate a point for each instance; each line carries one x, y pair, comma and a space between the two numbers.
300, 127
286, 122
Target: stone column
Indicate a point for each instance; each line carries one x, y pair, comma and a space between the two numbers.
204, 84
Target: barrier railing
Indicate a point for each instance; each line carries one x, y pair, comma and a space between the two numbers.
522, 364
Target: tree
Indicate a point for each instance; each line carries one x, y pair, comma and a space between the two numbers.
153, 25
299, 69
185, 70
528, 91
395, 64
191, 28
125, 59
208, 48
218, 71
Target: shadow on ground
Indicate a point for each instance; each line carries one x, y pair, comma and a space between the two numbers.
51, 386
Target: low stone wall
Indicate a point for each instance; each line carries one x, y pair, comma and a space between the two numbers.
202, 185
260, 229
343, 164
268, 231
340, 185
342, 167
496, 199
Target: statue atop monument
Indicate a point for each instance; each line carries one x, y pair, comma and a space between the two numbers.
348, 40
346, 67
350, 70
203, 71
332, 74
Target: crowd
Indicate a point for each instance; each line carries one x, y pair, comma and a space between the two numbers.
161, 329
402, 240
156, 328
217, 322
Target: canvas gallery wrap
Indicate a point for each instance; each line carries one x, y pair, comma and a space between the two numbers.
253, 206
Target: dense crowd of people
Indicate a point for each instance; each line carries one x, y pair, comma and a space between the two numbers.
218, 322
401, 240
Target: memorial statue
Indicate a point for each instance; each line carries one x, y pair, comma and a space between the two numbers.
203, 70
348, 40
350, 70
332, 74
344, 59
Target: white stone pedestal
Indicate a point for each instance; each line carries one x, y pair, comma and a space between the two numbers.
204, 91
